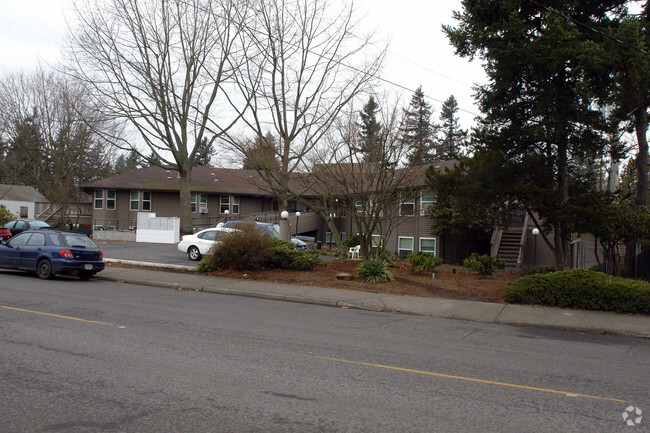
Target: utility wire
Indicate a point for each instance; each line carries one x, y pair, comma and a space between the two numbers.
588, 27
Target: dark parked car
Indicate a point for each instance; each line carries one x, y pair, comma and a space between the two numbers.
19, 226
48, 252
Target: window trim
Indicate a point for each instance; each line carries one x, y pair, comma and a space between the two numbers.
131, 201
435, 245
222, 211
97, 199
109, 199
410, 199
424, 210
399, 245
146, 201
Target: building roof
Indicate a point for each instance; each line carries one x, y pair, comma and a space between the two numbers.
204, 179
21, 193
212, 180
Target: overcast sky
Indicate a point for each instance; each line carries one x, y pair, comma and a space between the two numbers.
32, 30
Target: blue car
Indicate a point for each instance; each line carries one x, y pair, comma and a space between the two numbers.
49, 252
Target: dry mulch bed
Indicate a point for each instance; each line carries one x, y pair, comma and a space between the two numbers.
449, 281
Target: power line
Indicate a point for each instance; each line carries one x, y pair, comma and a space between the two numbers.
588, 27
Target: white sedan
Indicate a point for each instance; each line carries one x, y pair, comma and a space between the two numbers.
198, 244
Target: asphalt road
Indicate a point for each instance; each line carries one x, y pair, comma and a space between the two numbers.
98, 356
145, 252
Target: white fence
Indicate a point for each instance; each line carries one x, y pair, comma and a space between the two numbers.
157, 229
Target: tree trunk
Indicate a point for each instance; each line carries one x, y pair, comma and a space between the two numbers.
185, 197
641, 163
561, 235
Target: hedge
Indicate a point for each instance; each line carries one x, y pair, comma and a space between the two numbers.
581, 289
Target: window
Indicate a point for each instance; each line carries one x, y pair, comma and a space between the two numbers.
425, 202
146, 201
210, 235
428, 245
99, 199
404, 246
235, 205
376, 241
343, 237
407, 205
110, 199
134, 203
24, 212
37, 240
329, 240
358, 204
193, 203
224, 204
203, 201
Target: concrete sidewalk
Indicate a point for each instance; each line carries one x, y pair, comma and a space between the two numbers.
180, 278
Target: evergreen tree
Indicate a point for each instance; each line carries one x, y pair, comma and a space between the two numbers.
540, 111
25, 154
417, 131
370, 129
206, 150
262, 154
452, 138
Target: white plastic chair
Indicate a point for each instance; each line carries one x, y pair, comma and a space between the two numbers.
353, 252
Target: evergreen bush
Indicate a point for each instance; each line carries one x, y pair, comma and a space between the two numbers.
287, 256
374, 271
582, 289
423, 262
386, 257
484, 264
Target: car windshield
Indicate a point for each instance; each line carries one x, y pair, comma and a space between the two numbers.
38, 224
78, 241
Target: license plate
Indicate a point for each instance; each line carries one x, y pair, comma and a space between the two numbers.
88, 267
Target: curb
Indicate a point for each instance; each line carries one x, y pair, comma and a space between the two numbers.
508, 314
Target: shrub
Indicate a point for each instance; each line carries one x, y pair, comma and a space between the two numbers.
6, 216
244, 249
286, 256
386, 257
583, 289
423, 262
537, 270
484, 264
353, 240
374, 271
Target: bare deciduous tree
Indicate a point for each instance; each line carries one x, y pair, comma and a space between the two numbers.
367, 188
161, 66
304, 65
49, 125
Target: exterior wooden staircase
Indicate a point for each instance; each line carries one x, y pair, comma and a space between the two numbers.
508, 245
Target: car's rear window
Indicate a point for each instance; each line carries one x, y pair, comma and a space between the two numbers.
38, 224
80, 241
56, 240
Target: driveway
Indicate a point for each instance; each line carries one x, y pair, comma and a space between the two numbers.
167, 254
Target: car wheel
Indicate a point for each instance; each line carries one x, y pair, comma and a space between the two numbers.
44, 269
84, 275
193, 253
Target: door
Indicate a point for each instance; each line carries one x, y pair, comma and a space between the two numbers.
10, 253
32, 250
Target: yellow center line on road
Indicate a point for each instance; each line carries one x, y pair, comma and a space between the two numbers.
55, 315
471, 379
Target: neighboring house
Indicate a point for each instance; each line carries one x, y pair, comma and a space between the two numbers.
21, 200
